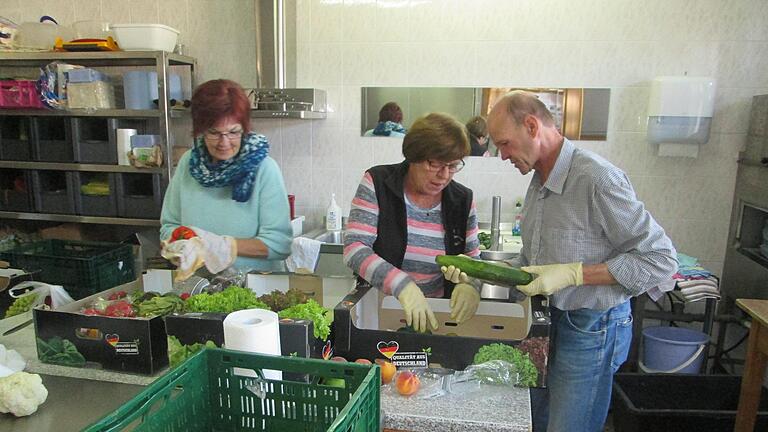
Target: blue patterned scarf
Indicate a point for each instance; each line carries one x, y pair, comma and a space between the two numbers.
387, 127
238, 172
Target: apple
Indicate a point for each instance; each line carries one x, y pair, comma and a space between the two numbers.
387, 370
338, 359
363, 361
407, 383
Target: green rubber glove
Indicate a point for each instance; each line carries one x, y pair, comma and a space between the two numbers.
552, 278
464, 302
417, 311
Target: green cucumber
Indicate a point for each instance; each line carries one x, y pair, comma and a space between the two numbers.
495, 273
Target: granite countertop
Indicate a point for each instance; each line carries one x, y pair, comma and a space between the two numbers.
498, 409
494, 409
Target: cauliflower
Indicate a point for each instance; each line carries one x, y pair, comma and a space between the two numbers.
21, 393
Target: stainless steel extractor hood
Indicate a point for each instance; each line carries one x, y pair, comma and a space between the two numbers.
276, 95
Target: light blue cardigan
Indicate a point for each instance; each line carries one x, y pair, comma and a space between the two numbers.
265, 216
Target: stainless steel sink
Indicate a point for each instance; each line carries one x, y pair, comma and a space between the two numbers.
498, 292
332, 237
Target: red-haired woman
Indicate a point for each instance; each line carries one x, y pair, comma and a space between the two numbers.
227, 189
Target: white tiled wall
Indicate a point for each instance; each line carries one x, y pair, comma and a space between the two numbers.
220, 34
621, 44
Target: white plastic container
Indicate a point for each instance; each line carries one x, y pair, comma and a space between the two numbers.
333, 220
145, 37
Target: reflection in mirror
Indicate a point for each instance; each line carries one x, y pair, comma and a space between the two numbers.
580, 113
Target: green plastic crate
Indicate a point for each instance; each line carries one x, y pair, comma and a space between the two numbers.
82, 268
204, 394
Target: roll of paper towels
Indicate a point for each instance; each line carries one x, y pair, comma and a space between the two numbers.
124, 145
256, 331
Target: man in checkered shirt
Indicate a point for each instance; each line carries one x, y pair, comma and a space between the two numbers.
592, 246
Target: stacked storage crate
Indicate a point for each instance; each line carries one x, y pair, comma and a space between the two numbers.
64, 164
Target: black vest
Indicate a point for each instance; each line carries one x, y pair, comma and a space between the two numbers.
392, 235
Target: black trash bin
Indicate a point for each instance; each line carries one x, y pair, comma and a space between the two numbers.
679, 402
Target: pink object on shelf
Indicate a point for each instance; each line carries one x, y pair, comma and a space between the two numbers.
19, 94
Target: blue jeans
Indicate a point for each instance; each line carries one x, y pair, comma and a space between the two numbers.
586, 348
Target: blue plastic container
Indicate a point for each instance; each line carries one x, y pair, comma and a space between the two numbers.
140, 89
673, 350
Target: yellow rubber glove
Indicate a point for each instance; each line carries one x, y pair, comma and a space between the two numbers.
454, 274
464, 302
552, 278
417, 310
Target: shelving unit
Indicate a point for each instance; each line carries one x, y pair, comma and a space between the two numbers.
161, 62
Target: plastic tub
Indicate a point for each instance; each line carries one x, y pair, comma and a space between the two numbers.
145, 37
673, 350
678, 403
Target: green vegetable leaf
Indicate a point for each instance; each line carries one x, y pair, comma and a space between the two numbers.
522, 363
310, 310
231, 299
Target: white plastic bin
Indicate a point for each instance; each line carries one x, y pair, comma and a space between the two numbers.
145, 37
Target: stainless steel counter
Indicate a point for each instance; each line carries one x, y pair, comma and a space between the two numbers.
72, 404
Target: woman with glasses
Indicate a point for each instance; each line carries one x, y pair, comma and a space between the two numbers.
403, 215
227, 189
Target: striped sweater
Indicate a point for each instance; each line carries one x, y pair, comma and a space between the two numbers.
425, 241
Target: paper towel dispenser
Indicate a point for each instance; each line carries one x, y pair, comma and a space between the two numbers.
680, 114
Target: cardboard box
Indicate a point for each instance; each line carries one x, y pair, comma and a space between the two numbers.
327, 291
296, 336
137, 345
366, 326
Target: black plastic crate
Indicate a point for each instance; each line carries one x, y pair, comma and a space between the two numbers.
53, 192
95, 140
53, 139
139, 195
15, 190
15, 138
90, 201
679, 402
82, 268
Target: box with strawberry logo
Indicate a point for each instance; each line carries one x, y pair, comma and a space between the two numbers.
103, 331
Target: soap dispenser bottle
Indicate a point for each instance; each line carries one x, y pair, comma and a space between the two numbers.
518, 218
333, 215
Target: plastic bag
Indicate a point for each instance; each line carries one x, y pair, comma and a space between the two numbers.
59, 296
10, 362
437, 382
226, 278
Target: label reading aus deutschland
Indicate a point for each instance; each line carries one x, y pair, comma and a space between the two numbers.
410, 359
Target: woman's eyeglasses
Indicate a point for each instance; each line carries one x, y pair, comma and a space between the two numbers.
453, 168
217, 136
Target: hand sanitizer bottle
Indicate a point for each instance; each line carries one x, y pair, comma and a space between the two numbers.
518, 218
333, 216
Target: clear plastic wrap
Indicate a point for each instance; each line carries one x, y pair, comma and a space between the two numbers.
431, 383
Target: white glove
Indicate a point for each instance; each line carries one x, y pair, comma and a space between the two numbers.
186, 255
416, 308
552, 278
464, 302
455, 275
219, 252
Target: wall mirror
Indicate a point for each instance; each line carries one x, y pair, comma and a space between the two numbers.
580, 113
